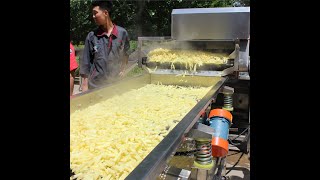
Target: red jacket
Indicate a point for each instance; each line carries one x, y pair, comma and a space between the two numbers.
73, 62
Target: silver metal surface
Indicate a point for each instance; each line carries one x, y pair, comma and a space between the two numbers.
184, 174
194, 73
220, 168
227, 71
227, 90
202, 131
179, 173
241, 56
244, 76
239, 138
188, 80
202, 174
228, 23
205, 128
243, 61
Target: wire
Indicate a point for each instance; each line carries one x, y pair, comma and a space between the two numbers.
233, 154
235, 163
238, 144
235, 144
241, 133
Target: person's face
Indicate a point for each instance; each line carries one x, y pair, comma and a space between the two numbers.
99, 15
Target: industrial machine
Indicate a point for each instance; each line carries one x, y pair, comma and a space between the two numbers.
196, 148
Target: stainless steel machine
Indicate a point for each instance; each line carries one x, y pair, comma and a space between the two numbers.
221, 30
211, 29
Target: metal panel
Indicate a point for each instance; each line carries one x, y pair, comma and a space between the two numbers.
187, 80
227, 23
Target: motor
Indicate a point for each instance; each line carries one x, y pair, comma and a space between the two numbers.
220, 120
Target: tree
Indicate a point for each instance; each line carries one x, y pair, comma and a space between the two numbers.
140, 18
80, 20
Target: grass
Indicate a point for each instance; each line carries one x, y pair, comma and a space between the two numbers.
133, 45
77, 70
134, 72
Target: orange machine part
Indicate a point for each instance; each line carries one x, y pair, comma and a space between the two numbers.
220, 147
221, 113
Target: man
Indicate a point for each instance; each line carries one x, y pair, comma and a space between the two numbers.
73, 67
105, 54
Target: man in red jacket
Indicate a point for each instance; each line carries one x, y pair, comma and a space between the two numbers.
73, 67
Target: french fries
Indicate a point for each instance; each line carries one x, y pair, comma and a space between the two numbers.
109, 139
190, 58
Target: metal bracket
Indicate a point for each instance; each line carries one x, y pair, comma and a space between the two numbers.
202, 131
227, 90
236, 58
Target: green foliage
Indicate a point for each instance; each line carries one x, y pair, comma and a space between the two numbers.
77, 70
135, 72
81, 21
80, 46
139, 18
133, 45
